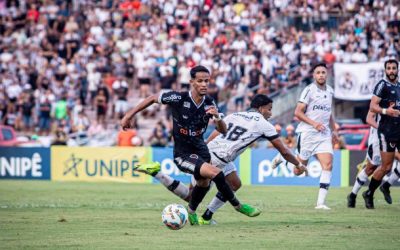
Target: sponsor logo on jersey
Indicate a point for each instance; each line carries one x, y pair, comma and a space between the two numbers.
190, 132
322, 107
247, 117
194, 156
172, 98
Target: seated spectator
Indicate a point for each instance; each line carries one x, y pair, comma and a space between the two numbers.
81, 123
60, 139
159, 137
125, 137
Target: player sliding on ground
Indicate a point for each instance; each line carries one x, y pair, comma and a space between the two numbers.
191, 112
244, 128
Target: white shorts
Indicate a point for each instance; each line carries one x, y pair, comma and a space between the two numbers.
373, 152
312, 143
121, 106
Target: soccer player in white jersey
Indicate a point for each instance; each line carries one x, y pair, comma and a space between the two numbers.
373, 159
317, 129
244, 128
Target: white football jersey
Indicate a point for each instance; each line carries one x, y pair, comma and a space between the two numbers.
319, 107
244, 128
373, 133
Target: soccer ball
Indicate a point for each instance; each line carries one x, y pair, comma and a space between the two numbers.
174, 216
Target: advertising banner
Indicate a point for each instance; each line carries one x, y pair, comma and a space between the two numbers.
165, 157
357, 159
263, 174
356, 81
99, 164
25, 163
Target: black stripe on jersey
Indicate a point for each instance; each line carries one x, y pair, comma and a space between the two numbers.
220, 158
298, 143
271, 138
245, 146
379, 87
308, 91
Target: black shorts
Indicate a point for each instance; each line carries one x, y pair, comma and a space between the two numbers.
144, 81
386, 145
190, 163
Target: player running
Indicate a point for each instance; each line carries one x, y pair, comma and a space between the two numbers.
244, 128
314, 110
372, 161
191, 112
386, 102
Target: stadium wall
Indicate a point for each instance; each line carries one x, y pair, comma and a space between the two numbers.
117, 164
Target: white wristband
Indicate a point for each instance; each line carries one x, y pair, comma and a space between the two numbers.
384, 111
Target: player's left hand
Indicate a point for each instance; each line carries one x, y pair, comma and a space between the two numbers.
213, 111
335, 137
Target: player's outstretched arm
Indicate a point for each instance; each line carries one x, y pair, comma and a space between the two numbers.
126, 120
300, 114
285, 152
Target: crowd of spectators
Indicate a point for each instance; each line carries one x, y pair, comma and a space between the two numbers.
76, 65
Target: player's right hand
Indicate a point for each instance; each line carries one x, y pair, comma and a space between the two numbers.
319, 126
391, 111
126, 123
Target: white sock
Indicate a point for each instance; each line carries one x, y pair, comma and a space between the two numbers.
362, 177
176, 187
324, 182
395, 175
215, 204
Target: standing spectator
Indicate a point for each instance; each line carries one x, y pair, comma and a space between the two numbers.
46, 102
101, 107
120, 88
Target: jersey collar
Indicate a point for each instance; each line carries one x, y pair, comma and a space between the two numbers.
387, 80
201, 103
317, 86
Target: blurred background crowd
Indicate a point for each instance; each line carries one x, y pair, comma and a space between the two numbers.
70, 69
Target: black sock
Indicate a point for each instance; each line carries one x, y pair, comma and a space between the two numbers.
386, 185
353, 195
207, 214
198, 194
225, 189
373, 185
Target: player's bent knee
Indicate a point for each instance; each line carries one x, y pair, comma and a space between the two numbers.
237, 185
369, 171
209, 171
203, 182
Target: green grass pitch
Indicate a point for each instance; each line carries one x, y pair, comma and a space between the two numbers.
57, 215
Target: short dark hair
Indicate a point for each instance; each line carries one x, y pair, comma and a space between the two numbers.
260, 100
197, 69
319, 65
390, 61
